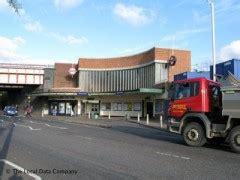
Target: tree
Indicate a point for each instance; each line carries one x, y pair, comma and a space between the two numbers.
15, 5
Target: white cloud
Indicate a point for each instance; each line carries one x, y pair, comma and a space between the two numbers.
65, 4
133, 14
230, 51
9, 47
3, 3
69, 39
33, 26
10, 44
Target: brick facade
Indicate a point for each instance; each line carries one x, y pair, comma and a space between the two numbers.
62, 79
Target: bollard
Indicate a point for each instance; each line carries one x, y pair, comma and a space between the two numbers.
161, 122
147, 119
42, 113
138, 117
109, 115
89, 115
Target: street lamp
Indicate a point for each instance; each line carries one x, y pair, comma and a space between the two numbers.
211, 2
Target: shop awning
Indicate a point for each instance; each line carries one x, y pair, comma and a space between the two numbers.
121, 93
151, 90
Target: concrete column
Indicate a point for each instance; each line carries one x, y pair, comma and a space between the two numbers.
79, 107
161, 121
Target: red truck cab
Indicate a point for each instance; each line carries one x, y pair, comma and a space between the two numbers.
193, 95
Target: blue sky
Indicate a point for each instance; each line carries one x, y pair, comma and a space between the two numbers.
48, 31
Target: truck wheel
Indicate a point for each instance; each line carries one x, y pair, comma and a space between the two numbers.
194, 135
235, 139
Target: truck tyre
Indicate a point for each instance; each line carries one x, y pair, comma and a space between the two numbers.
234, 139
194, 135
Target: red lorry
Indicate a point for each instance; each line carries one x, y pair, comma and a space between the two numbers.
203, 110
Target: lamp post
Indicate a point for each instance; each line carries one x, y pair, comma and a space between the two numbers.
211, 2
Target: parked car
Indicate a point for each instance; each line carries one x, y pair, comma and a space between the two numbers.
10, 111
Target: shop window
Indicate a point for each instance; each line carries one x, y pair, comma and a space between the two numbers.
158, 106
137, 106
61, 108
127, 106
106, 106
117, 106
68, 108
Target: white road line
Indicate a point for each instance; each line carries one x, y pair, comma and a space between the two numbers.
55, 126
173, 155
85, 137
20, 169
90, 126
1, 120
32, 129
49, 125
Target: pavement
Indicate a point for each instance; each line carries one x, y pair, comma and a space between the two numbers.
104, 121
45, 148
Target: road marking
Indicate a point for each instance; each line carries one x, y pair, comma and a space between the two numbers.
85, 137
21, 169
1, 120
32, 129
173, 155
49, 125
55, 126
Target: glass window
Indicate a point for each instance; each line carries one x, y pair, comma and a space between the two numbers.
114, 106
158, 106
137, 106
186, 90
117, 106
61, 108
127, 106
106, 106
95, 107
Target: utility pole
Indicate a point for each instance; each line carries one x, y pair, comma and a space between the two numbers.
211, 2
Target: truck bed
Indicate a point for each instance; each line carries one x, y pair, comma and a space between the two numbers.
231, 101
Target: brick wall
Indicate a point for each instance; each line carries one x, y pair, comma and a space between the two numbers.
118, 62
183, 60
62, 77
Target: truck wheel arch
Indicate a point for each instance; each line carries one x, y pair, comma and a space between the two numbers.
199, 118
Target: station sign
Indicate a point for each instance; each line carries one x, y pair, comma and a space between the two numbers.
119, 93
82, 93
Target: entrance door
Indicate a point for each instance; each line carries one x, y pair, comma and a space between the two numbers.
95, 108
150, 109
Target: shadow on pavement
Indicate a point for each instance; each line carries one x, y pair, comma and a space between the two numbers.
150, 134
5, 147
165, 136
221, 147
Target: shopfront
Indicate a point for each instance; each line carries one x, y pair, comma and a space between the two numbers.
63, 107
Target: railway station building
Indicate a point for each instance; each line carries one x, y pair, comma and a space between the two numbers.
119, 86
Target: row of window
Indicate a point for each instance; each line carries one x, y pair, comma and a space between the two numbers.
121, 106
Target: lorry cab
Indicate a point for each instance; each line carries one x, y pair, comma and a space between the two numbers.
197, 95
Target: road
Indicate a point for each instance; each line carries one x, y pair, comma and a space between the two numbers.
32, 149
